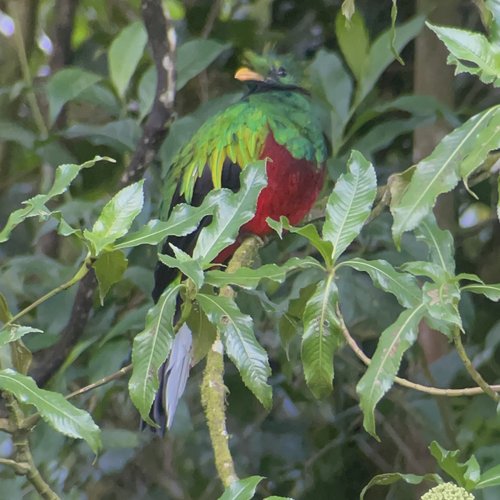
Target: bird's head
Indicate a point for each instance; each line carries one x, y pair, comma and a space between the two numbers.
268, 70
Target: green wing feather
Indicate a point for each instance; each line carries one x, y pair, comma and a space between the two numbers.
239, 133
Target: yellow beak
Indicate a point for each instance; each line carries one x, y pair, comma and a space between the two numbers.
246, 74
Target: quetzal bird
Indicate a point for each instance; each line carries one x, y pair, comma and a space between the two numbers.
273, 121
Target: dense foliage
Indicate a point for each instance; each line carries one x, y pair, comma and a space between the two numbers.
402, 248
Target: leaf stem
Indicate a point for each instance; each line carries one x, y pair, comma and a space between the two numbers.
435, 391
84, 269
213, 390
476, 376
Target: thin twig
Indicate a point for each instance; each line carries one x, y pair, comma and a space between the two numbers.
435, 391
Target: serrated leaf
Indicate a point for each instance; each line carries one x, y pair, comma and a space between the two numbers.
53, 408
354, 41
234, 210
481, 56
350, 203
322, 336
195, 56
393, 477
441, 170
440, 243
394, 341
242, 347
249, 278
11, 333
116, 217
489, 478
124, 55
35, 207
402, 285
65, 85
466, 474
186, 264
491, 291
150, 349
242, 489
109, 268
184, 219
441, 301
309, 232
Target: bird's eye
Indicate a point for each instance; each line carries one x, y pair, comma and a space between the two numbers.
281, 72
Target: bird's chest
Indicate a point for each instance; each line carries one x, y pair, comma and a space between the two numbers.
292, 188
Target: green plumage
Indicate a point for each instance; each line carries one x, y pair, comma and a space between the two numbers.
240, 131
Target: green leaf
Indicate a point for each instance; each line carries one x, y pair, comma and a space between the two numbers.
466, 474
195, 56
249, 278
354, 42
183, 220
441, 300
146, 91
402, 285
384, 366
441, 170
65, 85
350, 203
489, 478
381, 54
150, 349
53, 408
116, 217
5, 314
481, 56
440, 243
242, 489
11, 333
124, 55
11, 131
309, 232
242, 347
234, 210
491, 291
394, 16
35, 207
109, 268
394, 477
186, 264
322, 337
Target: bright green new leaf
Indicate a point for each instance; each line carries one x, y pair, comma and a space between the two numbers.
53, 408
309, 232
186, 264
482, 57
116, 217
322, 337
183, 220
440, 243
466, 474
402, 285
489, 478
394, 341
109, 268
491, 291
231, 213
441, 170
243, 489
195, 56
249, 278
65, 85
354, 41
150, 349
381, 54
124, 55
11, 333
394, 477
239, 340
35, 207
350, 203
